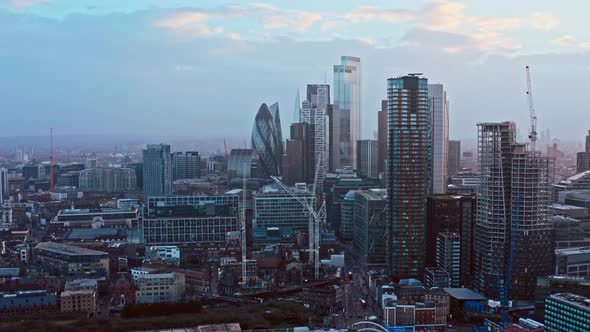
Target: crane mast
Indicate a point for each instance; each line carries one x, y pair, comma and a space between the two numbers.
243, 229
533, 115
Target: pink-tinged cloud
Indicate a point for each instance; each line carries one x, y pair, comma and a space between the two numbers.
25, 3
564, 41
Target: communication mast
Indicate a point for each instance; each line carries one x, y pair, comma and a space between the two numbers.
533, 115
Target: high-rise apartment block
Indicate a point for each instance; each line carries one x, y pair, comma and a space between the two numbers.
107, 179
382, 136
186, 165
448, 255
440, 137
157, 170
346, 113
513, 235
4, 193
367, 158
454, 159
298, 164
409, 173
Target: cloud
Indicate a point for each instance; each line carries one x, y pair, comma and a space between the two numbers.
190, 21
585, 45
25, 3
564, 41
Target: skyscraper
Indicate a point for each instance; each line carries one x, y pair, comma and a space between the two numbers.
367, 158
512, 234
157, 170
583, 158
382, 136
440, 139
298, 165
409, 172
3, 185
346, 117
314, 111
448, 255
267, 140
454, 157
186, 165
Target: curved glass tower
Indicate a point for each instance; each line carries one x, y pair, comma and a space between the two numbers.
266, 140
278, 136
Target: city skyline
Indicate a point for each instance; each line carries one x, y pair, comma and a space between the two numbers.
129, 77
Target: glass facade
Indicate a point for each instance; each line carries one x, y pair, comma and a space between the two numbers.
440, 137
267, 140
280, 209
567, 313
409, 173
346, 117
157, 170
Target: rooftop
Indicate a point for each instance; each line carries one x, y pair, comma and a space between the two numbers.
572, 251
67, 249
573, 299
98, 211
77, 292
464, 294
576, 177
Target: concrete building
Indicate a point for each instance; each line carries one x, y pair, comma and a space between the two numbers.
369, 226
580, 181
160, 288
567, 312
573, 262
448, 255
367, 158
346, 113
189, 219
409, 173
72, 260
439, 104
157, 170
512, 228
25, 302
108, 180
186, 165
464, 182
454, 158
436, 277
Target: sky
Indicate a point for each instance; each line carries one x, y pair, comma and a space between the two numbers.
202, 68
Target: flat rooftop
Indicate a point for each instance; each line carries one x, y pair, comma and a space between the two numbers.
95, 211
464, 294
572, 251
573, 299
65, 249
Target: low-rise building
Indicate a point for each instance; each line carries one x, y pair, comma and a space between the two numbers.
160, 288
324, 297
23, 302
96, 218
567, 312
72, 260
83, 300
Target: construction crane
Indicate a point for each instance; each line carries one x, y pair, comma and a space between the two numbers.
243, 229
51, 175
533, 115
316, 218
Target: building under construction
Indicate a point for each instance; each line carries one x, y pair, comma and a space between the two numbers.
513, 238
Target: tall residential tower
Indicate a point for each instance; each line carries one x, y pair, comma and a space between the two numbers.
440, 137
157, 170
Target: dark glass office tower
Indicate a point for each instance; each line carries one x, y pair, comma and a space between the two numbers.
157, 170
267, 141
409, 172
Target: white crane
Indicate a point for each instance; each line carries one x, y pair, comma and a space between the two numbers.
533, 115
316, 218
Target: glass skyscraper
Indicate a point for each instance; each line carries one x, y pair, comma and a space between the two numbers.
267, 140
346, 114
409, 172
157, 170
440, 137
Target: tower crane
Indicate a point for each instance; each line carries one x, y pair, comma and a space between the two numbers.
243, 229
533, 115
316, 217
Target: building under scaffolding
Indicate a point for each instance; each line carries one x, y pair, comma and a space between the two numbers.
513, 235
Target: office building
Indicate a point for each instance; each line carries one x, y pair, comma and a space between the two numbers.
436, 277
30, 171
346, 112
160, 288
203, 220
368, 228
382, 136
4, 193
455, 214
69, 179
580, 181
553, 284
367, 158
513, 233
314, 111
454, 158
572, 262
96, 218
569, 232
345, 229
157, 170
72, 260
469, 161
567, 312
108, 180
448, 255
464, 182
298, 164
186, 165
439, 105
242, 163
26, 302
275, 207
409, 173
267, 140
583, 158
